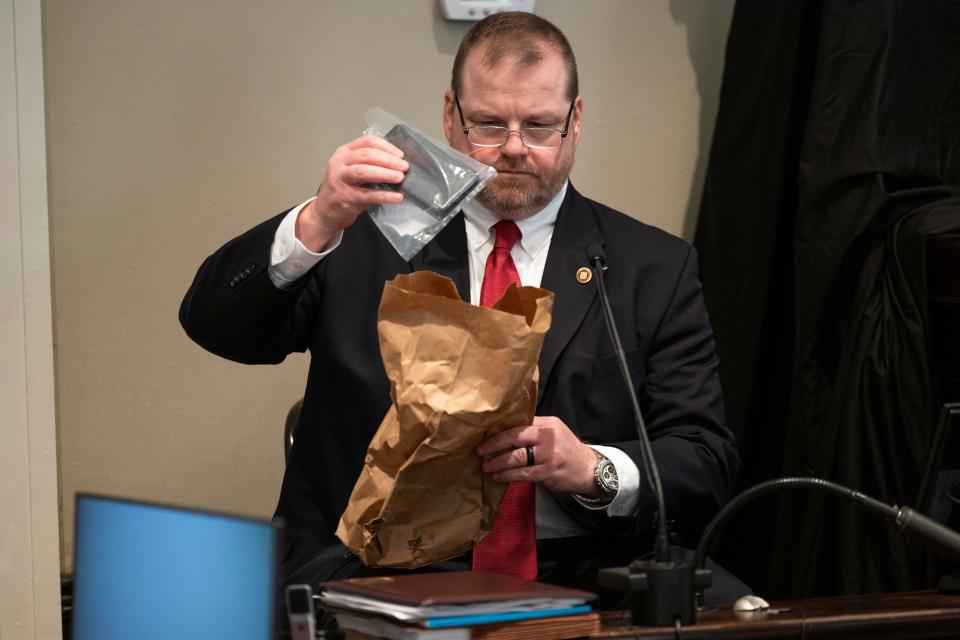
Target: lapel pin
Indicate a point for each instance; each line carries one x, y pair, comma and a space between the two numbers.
584, 275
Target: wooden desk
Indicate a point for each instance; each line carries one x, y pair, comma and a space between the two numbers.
918, 615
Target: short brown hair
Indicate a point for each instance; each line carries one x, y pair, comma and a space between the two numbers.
518, 34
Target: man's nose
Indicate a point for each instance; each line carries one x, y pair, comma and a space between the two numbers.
513, 146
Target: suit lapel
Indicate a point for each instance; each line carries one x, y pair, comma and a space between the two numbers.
576, 228
446, 254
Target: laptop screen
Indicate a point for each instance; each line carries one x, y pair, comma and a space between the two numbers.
147, 571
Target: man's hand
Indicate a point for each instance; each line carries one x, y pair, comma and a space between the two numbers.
346, 192
562, 463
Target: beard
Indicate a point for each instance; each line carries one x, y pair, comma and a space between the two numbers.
514, 197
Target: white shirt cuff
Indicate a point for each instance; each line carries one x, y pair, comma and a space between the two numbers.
290, 260
624, 503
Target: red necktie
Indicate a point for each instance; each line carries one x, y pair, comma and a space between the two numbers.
511, 547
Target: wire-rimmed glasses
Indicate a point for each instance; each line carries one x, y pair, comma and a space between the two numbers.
488, 135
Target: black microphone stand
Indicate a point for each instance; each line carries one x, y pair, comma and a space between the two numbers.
661, 590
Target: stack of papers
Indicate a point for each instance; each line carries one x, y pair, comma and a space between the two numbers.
458, 606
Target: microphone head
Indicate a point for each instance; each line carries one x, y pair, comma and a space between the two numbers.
595, 255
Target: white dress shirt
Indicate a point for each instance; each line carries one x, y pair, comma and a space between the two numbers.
290, 260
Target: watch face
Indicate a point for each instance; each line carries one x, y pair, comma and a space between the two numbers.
607, 476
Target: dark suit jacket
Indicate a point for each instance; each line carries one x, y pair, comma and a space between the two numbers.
233, 310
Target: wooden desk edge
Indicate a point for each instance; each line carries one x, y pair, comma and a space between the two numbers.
926, 611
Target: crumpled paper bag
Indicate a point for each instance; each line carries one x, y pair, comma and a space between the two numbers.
458, 374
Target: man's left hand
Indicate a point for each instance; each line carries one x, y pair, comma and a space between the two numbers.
562, 463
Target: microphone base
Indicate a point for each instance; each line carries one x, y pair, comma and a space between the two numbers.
661, 593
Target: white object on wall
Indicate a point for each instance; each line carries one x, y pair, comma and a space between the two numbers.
476, 10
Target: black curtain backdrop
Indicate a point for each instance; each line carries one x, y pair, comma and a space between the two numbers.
836, 151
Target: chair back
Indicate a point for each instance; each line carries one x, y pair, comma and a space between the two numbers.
290, 427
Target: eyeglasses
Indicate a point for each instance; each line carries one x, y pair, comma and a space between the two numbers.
487, 135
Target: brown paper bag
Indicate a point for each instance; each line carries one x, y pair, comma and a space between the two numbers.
458, 374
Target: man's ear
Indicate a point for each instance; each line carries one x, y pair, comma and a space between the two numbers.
449, 117
576, 121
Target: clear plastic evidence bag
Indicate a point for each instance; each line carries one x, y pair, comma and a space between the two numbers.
439, 181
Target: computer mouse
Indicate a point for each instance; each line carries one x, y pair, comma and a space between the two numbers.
751, 603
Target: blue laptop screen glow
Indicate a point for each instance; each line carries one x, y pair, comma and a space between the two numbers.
146, 571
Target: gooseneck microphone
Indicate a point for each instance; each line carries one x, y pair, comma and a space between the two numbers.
661, 591
598, 261
910, 523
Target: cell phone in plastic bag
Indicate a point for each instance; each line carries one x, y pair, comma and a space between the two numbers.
440, 180
436, 180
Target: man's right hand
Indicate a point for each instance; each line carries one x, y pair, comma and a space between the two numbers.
346, 190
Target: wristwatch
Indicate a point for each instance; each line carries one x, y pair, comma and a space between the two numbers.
605, 476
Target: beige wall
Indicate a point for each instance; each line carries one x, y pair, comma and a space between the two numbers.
174, 125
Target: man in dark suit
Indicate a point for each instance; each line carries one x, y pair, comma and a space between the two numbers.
311, 278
